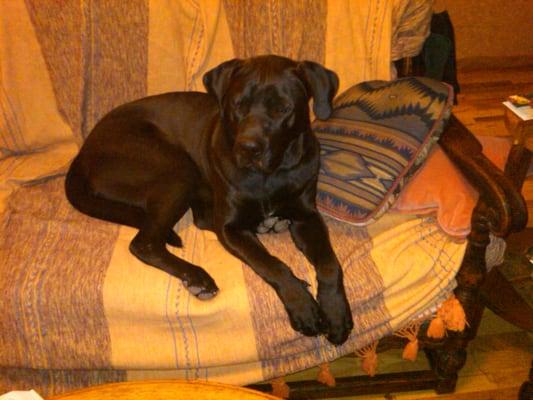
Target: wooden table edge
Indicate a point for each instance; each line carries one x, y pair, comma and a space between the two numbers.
144, 385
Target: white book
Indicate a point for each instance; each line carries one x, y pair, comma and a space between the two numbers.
525, 113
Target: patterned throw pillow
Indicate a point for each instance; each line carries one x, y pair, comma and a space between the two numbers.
377, 137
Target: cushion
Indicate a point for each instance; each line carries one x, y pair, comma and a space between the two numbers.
428, 192
378, 135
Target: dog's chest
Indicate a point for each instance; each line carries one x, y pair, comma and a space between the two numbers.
268, 215
263, 203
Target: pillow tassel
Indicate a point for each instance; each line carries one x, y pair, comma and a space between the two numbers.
280, 388
325, 376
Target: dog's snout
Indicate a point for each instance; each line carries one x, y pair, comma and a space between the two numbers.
250, 147
250, 142
249, 151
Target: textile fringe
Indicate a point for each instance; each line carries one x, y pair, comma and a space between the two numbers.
450, 315
410, 332
369, 357
325, 376
280, 388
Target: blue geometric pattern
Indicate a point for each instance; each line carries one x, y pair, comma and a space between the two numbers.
375, 140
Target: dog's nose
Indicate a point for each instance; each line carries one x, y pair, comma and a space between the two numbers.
250, 147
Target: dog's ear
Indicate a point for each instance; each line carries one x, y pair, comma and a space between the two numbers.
216, 81
323, 84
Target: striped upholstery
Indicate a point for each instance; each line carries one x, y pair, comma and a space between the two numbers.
377, 137
76, 307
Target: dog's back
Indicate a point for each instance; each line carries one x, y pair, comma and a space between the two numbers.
179, 118
133, 145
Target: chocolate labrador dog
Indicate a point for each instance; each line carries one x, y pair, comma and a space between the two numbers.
239, 155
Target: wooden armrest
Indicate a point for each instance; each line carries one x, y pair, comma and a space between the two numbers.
505, 208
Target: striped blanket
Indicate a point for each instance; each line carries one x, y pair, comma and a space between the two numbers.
76, 308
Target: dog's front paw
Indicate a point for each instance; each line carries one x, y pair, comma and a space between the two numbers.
335, 307
200, 284
304, 312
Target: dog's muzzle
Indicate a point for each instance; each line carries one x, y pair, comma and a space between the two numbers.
249, 148
250, 151
249, 154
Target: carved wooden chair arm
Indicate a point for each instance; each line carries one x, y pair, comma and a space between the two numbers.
504, 207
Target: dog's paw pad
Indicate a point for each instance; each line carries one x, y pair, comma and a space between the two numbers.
262, 228
206, 295
273, 224
281, 225
201, 293
267, 225
195, 290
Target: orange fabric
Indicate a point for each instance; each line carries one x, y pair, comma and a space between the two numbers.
440, 187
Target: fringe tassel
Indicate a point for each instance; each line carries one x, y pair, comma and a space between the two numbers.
410, 351
280, 388
410, 332
455, 318
450, 315
369, 358
325, 376
436, 328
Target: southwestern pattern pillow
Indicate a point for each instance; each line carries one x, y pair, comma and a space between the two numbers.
378, 135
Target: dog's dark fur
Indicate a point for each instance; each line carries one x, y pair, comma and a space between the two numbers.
236, 156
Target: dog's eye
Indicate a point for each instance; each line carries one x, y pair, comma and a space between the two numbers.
241, 106
282, 109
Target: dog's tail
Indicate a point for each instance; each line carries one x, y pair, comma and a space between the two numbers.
82, 197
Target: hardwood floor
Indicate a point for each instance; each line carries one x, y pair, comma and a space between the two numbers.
480, 105
482, 93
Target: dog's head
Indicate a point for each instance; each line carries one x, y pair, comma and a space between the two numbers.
264, 106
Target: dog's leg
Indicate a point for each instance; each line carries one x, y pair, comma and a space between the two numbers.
304, 313
80, 195
165, 206
311, 236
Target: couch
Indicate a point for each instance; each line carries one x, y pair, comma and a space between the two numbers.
78, 309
